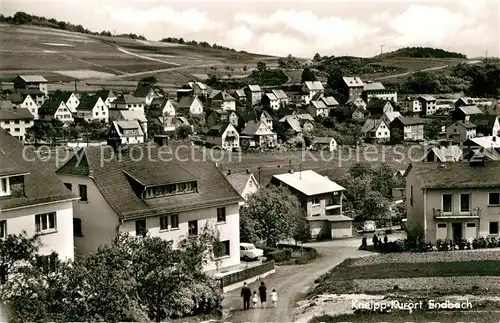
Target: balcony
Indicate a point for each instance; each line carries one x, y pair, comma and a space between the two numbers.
333, 205
473, 213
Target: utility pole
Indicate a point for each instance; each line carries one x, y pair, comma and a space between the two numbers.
381, 49
486, 57
76, 89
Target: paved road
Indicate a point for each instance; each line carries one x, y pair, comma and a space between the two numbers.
291, 282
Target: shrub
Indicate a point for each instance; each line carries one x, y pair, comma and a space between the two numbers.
492, 242
306, 257
415, 240
475, 243
482, 243
280, 255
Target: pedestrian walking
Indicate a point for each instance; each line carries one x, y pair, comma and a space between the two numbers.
254, 299
246, 293
263, 294
375, 241
386, 239
274, 297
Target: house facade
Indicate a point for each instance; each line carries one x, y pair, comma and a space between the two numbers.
377, 90
32, 199
55, 109
460, 131
324, 143
16, 121
166, 106
411, 127
318, 109
428, 104
464, 113
107, 96
25, 101
31, 82
225, 136
69, 98
376, 129
411, 104
169, 200
353, 87
321, 200
454, 200
258, 134
223, 100
269, 100
486, 125
127, 102
147, 94
282, 97
93, 108
190, 105
253, 94
311, 89
128, 132
245, 184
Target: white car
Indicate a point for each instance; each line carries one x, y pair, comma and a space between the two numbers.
248, 251
369, 226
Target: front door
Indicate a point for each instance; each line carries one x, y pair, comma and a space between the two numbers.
457, 231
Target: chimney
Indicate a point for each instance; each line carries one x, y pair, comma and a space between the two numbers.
228, 172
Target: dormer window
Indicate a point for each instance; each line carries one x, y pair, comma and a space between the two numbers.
171, 189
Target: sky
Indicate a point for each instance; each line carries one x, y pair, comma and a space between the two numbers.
356, 28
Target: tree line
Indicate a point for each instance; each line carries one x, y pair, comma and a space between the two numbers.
23, 18
203, 44
423, 52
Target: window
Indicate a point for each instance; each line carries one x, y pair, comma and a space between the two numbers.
225, 249
68, 186
140, 228
174, 221
493, 228
494, 199
315, 201
464, 202
221, 214
193, 227
471, 225
447, 202
45, 222
3, 229
4, 188
17, 129
47, 263
164, 222
441, 225
83, 193
77, 227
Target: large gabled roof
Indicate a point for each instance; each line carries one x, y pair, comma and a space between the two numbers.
309, 182
49, 107
15, 114
33, 78
314, 85
353, 81
218, 130
41, 184
87, 103
112, 178
470, 110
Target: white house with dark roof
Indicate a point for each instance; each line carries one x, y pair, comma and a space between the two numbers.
322, 202
269, 100
147, 94
253, 94
93, 108
245, 184
16, 121
257, 134
69, 98
223, 100
224, 135
55, 109
411, 104
107, 96
442, 154
318, 109
310, 89
376, 129
190, 105
30, 82
170, 200
25, 101
32, 199
460, 131
129, 132
464, 113
165, 106
454, 200
282, 97
377, 90
428, 104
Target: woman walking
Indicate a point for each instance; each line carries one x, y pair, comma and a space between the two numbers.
263, 294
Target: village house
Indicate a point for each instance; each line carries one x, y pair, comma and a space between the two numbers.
163, 106
388, 117
444, 105
25, 101
258, 134
483, 154
55, 109
454, 200
411, 104
269, 100
323, 143
321, 200
266, 117
443, 153
245, 184
487, 142
412, 128
128, 132
310, 89
358, 114
353, 87
69, 98
199, 89
107, 96
129, 108
464, 113
190, 105
240, 96
16, 121
33, 200
464, 101
219, 116
171, 124
224, 136
460, 131
428, 104
127, 115
376, 129
298, 123
127, 102
357, 102
253, 94
377, 90
329, 101
92, 108
318, 109
486, 125
282, 97
147, 94
222, 100
142, 196
31, 82
38, 96
377, 107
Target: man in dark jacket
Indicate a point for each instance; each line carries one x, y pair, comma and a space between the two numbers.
263, 294
246, 293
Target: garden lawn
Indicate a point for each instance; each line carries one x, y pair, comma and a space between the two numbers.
416, 317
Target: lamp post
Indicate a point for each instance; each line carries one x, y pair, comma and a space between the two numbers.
259, 171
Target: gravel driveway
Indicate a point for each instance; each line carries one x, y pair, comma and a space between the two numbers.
291, 282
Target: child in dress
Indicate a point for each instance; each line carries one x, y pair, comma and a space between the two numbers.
274, 297
254, 299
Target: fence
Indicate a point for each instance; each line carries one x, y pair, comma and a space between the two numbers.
246, 274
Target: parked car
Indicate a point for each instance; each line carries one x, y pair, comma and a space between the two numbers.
248, 251
369, 226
